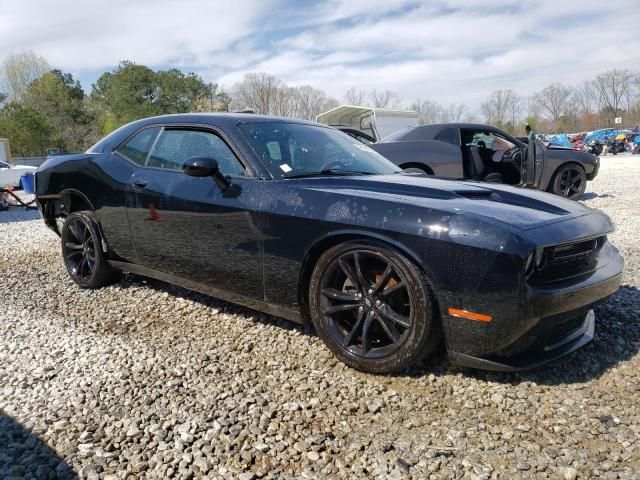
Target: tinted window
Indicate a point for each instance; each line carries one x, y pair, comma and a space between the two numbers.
174, 146
449, 135
288, 149
137, 149
4, 165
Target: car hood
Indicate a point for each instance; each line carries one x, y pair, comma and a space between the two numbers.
521, 208
24, 168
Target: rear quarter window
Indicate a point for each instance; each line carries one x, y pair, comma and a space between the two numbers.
449, 135
137, 148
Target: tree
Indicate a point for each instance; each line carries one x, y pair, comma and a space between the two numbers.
384, 99
60, 99
500, 107
428, 111
18, 71
134, 91
454, 113
355, 97
552, 101
613, 87
310, 102
178, 92
258, 92
269, 95
28, 130
215, 99
124, 95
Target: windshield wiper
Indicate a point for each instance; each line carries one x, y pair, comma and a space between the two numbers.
328, 172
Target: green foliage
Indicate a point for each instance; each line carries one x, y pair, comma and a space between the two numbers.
177, 92
213, 100
60, 98
124, 95
132, 92
29, 131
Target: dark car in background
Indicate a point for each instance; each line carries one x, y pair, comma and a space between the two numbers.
485, 153
301, 221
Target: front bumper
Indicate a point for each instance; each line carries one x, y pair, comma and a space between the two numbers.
549, 322
544, 345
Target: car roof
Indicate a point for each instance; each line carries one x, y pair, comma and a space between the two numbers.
223, 118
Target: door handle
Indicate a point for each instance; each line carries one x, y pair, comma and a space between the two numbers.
140, 183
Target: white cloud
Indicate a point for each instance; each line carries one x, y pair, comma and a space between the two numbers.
448, 50
90, 34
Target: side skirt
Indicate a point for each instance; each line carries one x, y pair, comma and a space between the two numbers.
275, 310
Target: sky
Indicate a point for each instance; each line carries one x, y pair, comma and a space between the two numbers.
445, 50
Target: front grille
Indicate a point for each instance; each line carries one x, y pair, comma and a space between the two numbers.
570, 250
560, 262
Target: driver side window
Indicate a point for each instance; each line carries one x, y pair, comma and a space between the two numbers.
489, 140
175, 145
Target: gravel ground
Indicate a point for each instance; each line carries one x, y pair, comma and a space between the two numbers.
143, 379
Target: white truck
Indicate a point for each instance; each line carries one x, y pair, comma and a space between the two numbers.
10, 174
374, 123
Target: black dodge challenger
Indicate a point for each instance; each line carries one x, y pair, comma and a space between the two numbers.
304, 222
485, 153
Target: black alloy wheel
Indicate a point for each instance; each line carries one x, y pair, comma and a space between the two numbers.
82, 252
372, 307
570, 181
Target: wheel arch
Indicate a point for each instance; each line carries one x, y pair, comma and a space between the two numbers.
552, 178
60, 205
422, 166
332, 239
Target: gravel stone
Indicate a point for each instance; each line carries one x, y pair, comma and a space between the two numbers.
146, 380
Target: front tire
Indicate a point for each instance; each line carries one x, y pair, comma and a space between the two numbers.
373, 308
82, 253
569, 181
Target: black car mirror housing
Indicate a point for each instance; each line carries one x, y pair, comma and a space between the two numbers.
200, 167
206, 167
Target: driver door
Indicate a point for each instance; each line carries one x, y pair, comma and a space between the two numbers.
184, 225
534, 158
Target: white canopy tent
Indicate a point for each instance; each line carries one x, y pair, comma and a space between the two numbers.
377, 122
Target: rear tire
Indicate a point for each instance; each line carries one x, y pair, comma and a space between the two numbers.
569, 181
373, 308
82, 252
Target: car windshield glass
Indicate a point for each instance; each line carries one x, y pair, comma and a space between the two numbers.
293, 149
4, 165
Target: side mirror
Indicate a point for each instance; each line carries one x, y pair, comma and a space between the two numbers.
208, 167
200, 167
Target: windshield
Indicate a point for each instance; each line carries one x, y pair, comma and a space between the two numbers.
293, 149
